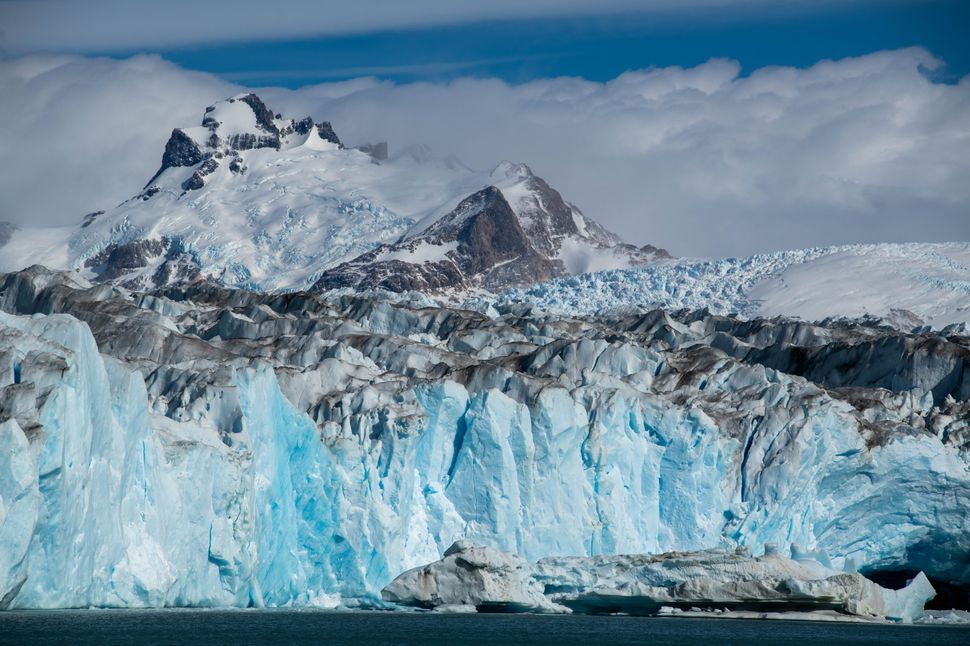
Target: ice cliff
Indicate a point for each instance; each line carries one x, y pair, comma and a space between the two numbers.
206, 446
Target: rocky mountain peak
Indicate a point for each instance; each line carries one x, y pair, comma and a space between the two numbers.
264, 118
485, 225
480, 243
515, 231
230, 127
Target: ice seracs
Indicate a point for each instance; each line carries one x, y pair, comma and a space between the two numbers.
906, 285
198, 445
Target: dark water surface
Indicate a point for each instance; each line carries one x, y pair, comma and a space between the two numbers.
317, 627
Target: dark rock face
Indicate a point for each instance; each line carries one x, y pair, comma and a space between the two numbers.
303, 126
264, 118
194, 183
117, 260
123, 261
179, 151
490, 244
149, 192
197, 180
325, 130
657, 251
249, 141
90, 218
237, 166
491, 234
179, 267
492, 250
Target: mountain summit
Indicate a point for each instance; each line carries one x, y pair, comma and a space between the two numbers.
240, 123
515, 232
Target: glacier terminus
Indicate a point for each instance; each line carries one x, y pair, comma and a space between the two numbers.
199, 445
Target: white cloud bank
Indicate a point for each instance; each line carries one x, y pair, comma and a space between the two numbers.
699, 160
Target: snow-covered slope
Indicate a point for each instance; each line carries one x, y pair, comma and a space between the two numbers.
906, 284
204, 446
250, 199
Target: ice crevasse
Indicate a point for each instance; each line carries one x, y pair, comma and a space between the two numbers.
281, 478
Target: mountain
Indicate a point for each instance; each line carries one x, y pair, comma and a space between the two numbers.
197, 445
253, 200
517, 231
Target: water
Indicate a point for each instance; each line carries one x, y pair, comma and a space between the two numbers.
316, 627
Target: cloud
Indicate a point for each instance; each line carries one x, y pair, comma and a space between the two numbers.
708, 162
80, 134
701, 160
131, 25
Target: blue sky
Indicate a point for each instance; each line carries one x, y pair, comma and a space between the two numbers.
597, 48
516, 42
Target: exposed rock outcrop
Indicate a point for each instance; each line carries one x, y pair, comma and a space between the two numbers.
180, 150
325, 131
479, 244
145, 263
225, 132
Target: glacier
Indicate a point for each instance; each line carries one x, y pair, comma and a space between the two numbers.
910, 285
203, 446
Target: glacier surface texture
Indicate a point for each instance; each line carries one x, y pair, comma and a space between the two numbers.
908, 284
213, 447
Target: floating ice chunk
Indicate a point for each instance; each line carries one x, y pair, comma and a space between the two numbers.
712, 581
471, 576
